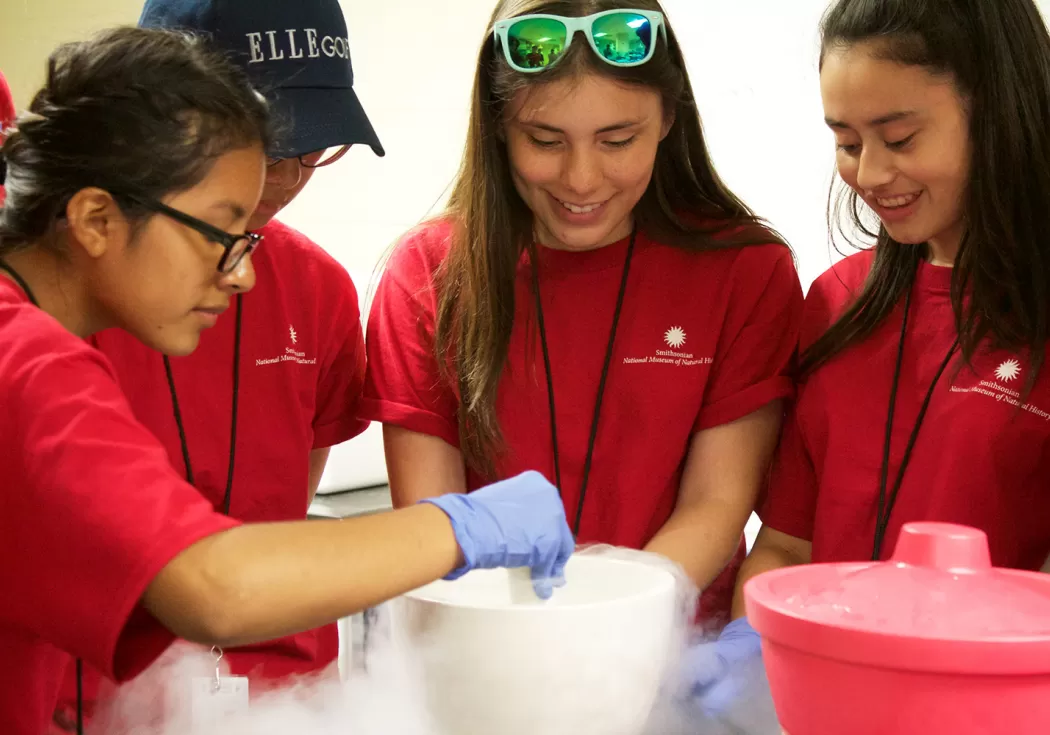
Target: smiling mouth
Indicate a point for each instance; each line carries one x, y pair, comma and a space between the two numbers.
580, 208
895, 202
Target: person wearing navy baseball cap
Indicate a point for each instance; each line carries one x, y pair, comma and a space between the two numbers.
250, 416
296, 53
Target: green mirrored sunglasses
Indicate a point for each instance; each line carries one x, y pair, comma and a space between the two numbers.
626, 37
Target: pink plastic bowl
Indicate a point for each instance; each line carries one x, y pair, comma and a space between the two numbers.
934, 642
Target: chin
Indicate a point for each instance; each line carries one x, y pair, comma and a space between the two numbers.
905, 238
908, 235
588, 237
177, 346
583, 245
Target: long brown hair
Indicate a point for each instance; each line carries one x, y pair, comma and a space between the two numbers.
998, 54
686, 205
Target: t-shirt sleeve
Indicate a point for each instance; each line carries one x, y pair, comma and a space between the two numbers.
790, 504
92, 511
755, 354
342, 373
403, 386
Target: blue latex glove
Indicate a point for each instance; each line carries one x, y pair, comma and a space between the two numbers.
721, 672
518, 522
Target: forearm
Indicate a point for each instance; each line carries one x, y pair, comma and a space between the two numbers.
231, 589
766, 556
723, 472
701, 539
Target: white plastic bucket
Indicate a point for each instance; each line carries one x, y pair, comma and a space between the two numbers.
496, 660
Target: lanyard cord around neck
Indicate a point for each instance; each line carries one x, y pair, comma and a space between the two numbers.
183, 443
601, 384
885, 508
20, 282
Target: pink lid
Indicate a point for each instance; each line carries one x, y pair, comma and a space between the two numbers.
937, 605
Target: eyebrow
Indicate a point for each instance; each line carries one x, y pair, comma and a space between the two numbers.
607, 129
884, 120
236, 209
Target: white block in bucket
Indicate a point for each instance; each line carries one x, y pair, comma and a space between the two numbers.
496, 660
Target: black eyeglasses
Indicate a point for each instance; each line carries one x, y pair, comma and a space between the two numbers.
316, 159
235, 247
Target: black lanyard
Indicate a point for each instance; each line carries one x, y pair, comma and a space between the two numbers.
601, 383
885, 508
21, 283
184, 445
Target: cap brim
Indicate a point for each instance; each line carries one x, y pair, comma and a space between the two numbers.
310, 119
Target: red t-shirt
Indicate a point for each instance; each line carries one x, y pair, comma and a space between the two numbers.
979, 459
91, 512
703, 339
302, 364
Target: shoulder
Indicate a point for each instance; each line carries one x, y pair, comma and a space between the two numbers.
28, 333
425, 245
833, 292
724, 244
296, 265
729, 257
287, 249
838, 286
41, 362
843, 281
419, 254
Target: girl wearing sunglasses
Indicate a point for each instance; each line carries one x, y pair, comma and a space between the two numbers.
924, 395
108, 554
595, 304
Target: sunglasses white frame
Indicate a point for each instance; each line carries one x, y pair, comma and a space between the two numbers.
583, 24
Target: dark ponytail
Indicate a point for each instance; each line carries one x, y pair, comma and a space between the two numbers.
143, 111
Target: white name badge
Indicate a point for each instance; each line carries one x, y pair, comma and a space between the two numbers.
212, 699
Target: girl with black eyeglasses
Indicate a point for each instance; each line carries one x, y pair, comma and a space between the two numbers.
250, 417
129, 185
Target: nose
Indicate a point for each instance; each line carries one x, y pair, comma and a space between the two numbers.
241, 279
874, 168
286, 173
582, 174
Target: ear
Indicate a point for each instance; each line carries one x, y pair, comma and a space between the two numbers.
669, 118
95, 222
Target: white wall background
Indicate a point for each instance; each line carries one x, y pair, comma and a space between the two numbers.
753, 68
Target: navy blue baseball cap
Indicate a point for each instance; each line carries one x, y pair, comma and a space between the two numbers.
296, 53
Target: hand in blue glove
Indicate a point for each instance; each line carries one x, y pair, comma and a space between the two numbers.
718, 673
518, 522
